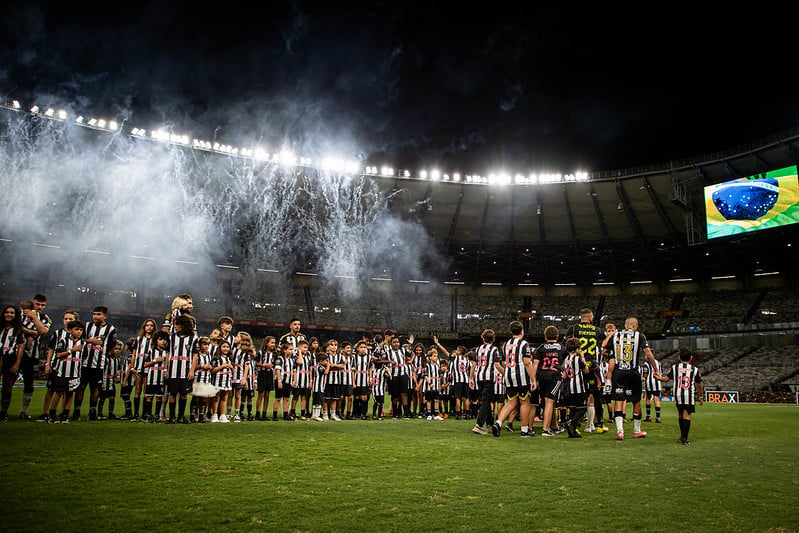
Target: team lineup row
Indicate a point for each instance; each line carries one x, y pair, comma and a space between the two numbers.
223, 372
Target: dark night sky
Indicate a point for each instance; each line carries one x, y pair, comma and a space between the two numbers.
417, 84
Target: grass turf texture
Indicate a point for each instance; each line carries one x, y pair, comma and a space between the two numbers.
739, 474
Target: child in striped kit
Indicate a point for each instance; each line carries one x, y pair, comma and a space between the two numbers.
223, 380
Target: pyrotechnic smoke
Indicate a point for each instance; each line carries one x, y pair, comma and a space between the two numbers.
133, 210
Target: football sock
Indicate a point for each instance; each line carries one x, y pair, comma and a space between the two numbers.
636, 422
26, 401
619, 418
182, 407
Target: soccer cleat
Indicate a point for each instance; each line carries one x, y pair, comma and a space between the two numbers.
3, 417
639, 434
575, 435
214, 418
558, 430
237, 418
496, 429
547, 433
620, 435
479, 430
171, 421
224, 419
602, 429
591, 429
526, 434
658, 421
648, 419
43, 418
112, 416
25, 416
509, 427
437, 417
684, 441
429, 417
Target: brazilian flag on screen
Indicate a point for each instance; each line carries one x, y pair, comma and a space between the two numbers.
748, 204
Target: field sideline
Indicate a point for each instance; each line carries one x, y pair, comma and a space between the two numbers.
739, 474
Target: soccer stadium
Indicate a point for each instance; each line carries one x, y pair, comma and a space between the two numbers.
214, 259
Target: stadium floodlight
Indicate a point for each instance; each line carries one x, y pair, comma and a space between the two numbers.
406, 173
15, 104
261, 155
92, 122
35, 110
79, 119
722, 277
678, 280
62, 115
641, 282
423, 174
112, 125
287, 158
456, 177
50, 112
386, 171
101, 123
435, 175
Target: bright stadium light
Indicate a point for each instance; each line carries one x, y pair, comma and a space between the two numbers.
423, 174
435, 175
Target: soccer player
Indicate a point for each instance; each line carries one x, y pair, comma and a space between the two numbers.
294, 335
100, 340
223, 380
301, 387
379, 377
625, 351
400, 379
183, 345
51, 365
488, 363
67, 351
575, 375
591, 338
652, 390
345, 400
361, 362
202, 388
139, 349
519, 378
687, 382
154, 366
30, 357
431, 386
264, 365
108, 389
333, 389
284, 377
547, 369
459, 369
319, 381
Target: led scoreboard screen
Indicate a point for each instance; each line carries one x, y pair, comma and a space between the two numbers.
768, 200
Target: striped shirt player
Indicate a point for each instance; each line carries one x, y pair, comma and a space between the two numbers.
284, 375
142, 346
652, 386
201, 375
184, 345
575, 385
154, 364
459, 367
95, 355
57, 336
687, 383
303, 369
240, 359
516, 377
360, 365
318, 384
223, 379
627, 350
686, 377
432, 381
379, 378
67, 369
484, 372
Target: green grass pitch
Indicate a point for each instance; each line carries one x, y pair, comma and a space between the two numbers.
741, 473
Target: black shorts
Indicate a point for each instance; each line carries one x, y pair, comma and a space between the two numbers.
399, 385
460, 390
360, 391
347, 390
60, 384
575, 400
153, 390
431, 395
626, 386
547, 382
283, 392
175, 386
687, 407
93, 377
301, 392
266, 381
108, 393
332, 391
523, 392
